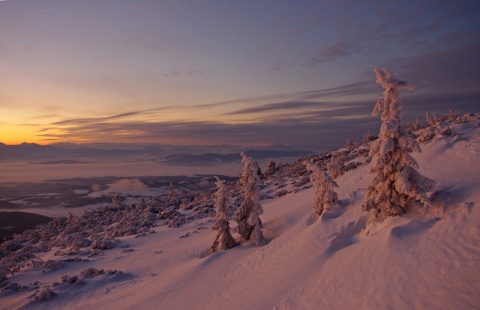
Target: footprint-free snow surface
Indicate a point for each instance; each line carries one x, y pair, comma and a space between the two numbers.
422, 260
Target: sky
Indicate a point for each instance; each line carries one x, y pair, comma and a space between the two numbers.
227, 72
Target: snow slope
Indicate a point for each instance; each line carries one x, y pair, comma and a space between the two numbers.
423, 260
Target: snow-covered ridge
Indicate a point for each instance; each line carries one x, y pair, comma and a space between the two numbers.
111, 258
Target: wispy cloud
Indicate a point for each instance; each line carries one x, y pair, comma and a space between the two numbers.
187, 73
332, 52
323, 117
95, 119
359, 88
428, 71
116, 117
289, 105
294, 131
278, 65
295, 122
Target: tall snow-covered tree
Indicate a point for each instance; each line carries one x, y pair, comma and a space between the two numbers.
325, 196
248, 214
224, 239
397, 184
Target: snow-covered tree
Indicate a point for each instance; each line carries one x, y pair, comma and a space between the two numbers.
335, 167
271, 168
350, 145
368, 137
224, 239
429, 119
325, 196
248, 214
397, 184
116, 200
452, 115
413, 126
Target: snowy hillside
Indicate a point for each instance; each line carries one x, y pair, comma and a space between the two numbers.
422, 260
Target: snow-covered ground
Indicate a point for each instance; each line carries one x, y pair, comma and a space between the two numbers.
423, 260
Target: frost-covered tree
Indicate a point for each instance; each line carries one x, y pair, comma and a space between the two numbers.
429, 119
325, 196
248, 214
397, 184
335, 167
350, 145
452, 115
271, 168
224, 239
368, 137
116, 200
413, 126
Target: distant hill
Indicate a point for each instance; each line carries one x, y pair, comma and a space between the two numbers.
34, 151
63, 153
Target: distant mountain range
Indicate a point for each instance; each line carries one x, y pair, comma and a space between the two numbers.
181, 155
36, 151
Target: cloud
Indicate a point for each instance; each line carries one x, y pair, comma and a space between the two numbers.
293, 127
332, 52
322, 117
278, 65
90, 120
358, 88
289, 105
193, 73
97, 119
325, 128
443, 79
454, 68
299, 118
171, 74
387, 29
187, 73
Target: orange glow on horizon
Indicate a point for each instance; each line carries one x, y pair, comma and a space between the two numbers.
13, 135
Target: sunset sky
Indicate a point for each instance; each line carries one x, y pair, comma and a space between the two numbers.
238, 72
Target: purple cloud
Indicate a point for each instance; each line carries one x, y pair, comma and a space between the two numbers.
187, 73
331, 53
278, 65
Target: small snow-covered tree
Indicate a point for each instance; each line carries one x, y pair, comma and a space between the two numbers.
350, 145
335, 167
368, 137
413, 126
429, 119
271, 168
248, 214
224, 239
452, 115
171, 192
396, 185
325, 196
116, 200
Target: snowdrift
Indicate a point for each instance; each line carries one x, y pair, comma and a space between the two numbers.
423, 260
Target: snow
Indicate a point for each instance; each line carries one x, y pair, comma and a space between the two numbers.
421, 260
